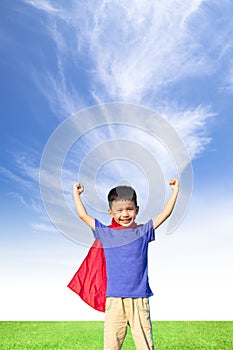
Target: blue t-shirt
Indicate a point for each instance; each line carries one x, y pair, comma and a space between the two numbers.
126, 253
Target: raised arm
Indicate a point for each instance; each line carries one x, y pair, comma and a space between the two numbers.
81, 210
168, 208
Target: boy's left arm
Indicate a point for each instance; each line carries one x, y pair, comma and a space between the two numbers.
168, 208
81, 210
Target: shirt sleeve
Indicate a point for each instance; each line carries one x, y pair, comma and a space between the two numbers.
98, 229
149, 230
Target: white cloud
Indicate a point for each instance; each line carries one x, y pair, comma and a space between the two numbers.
9, 175
134, 51
28, 167
42, 227
191, 124
138, 49
43, 5
24, 180
227, 85
63, 98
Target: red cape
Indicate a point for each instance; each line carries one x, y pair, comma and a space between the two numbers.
90, 281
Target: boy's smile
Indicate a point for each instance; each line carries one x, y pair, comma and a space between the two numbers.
123, 212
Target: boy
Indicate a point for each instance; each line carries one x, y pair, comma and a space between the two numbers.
128, 290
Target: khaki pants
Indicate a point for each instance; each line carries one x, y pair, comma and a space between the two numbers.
121, 312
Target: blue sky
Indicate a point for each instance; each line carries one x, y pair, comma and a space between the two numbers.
59, 58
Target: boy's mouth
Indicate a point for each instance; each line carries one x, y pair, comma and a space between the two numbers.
126, 221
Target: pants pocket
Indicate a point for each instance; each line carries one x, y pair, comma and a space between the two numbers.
109, 302
143, 305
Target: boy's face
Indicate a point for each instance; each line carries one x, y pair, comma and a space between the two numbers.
123, 212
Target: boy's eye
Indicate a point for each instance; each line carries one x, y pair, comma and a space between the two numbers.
128, 209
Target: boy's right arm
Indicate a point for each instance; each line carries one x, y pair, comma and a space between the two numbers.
81, 210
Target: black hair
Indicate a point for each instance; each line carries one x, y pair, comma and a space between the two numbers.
122, 192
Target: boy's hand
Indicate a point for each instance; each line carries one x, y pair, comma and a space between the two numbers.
174, 184
78, 188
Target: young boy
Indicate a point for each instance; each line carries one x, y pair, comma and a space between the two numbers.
125, 248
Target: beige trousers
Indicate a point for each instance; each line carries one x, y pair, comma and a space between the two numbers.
121, 312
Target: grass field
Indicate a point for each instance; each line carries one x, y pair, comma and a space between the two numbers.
89, 336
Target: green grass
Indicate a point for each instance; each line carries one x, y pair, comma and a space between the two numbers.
89, 336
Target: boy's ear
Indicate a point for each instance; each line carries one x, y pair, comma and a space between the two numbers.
137, 210
110, 212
